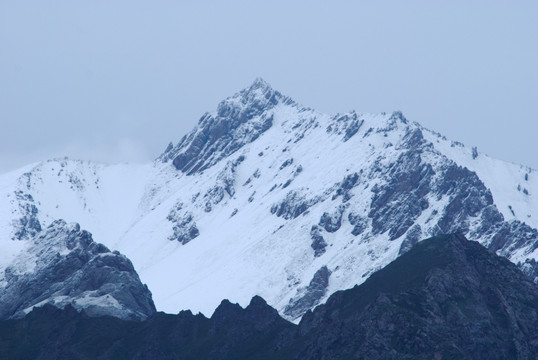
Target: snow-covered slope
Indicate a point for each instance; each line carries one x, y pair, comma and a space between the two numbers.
271, 198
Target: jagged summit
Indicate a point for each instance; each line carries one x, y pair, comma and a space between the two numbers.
239, 120
259, 87
258, 94
250, 102
259, 83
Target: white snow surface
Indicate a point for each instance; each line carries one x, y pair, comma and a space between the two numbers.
251, 252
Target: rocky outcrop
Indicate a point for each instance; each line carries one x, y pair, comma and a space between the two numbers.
359, 223
310, 296
398, 203
318, 242
27, 225
224, 184
184, 227
346, 124
64, 266
331, 221
344, 188
294, 204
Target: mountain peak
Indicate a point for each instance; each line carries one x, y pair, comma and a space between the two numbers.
251, 101
259, 83
239, 120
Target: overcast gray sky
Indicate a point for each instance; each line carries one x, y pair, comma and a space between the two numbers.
117, 80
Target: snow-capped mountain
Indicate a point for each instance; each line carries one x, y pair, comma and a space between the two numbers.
267, 197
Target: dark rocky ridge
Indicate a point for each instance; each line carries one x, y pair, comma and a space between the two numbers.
446, 298
255, 332
65, 266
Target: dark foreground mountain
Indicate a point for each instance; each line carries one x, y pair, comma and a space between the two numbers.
447, 298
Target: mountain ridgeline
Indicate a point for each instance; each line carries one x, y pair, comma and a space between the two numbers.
263, 197
446, 298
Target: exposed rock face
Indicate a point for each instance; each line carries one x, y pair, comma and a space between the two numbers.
446, 298
310, 296
294, 204
28, 224
359, 223
347, 124
332, 221
224, 185
184, 227
345, 186
233, 126
62, 266
318, 242
397, 204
